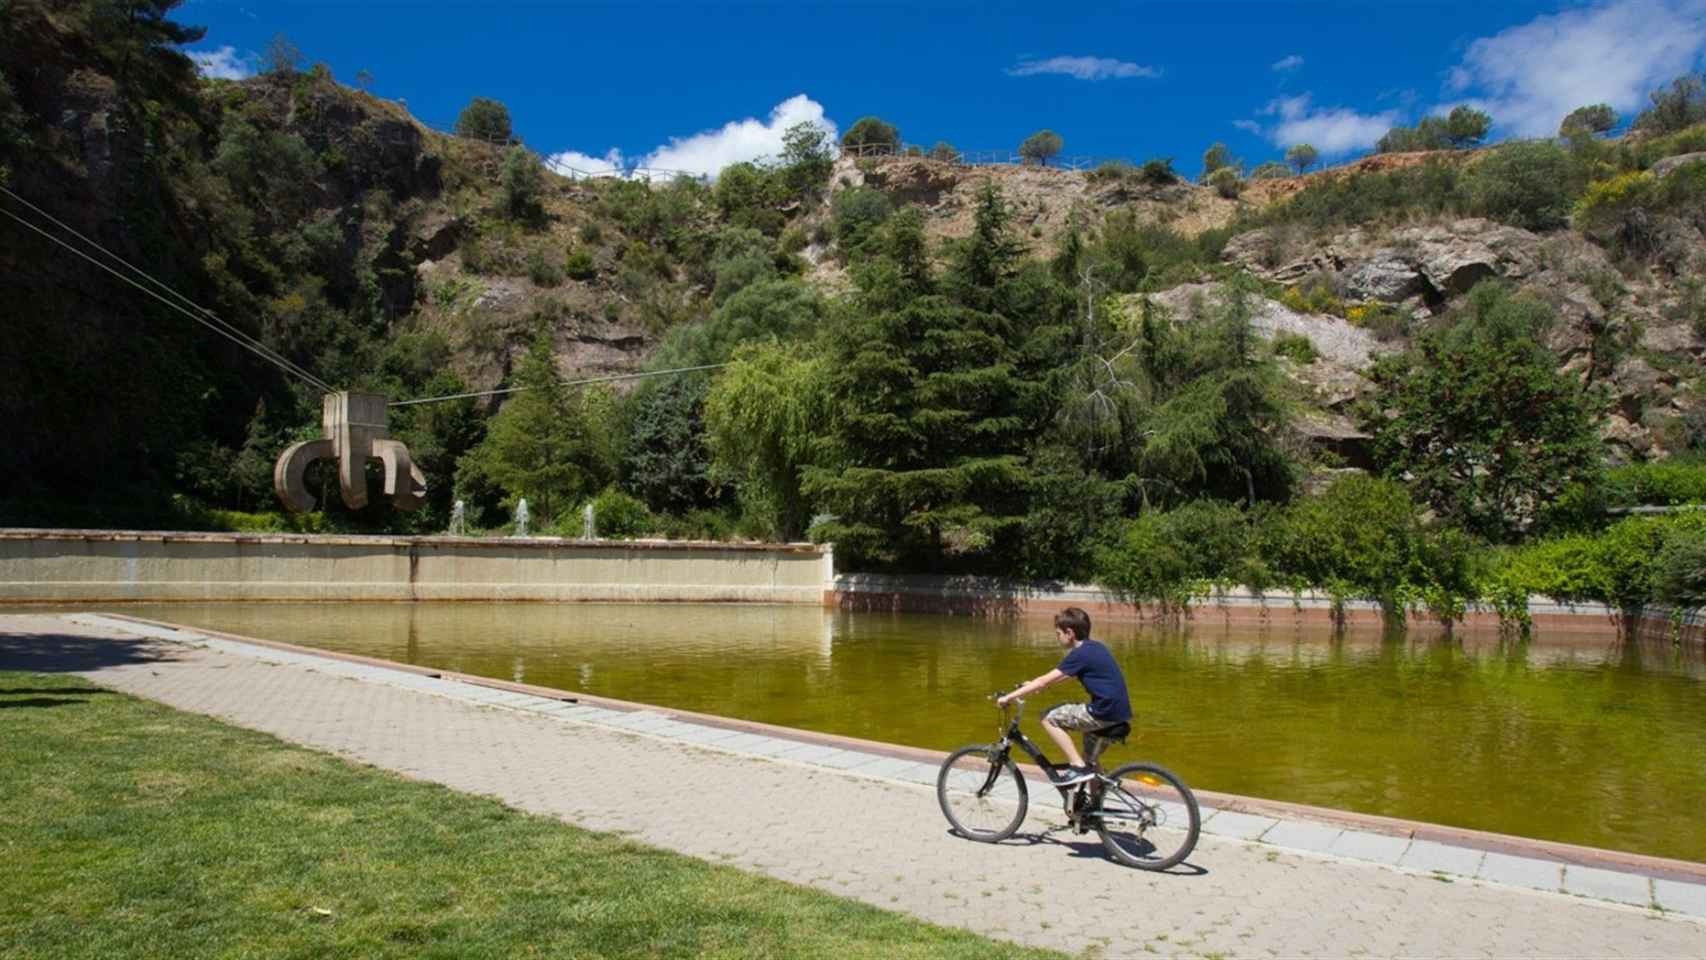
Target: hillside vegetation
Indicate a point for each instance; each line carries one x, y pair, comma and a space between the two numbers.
1404, 378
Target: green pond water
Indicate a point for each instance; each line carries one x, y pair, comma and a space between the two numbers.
1581, 740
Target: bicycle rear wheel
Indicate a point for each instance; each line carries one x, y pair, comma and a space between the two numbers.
982, 794
1149, 818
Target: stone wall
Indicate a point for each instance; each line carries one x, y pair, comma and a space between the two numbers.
985, 596
71, 566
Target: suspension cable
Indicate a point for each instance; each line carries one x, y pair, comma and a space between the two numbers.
566, 383
183, 304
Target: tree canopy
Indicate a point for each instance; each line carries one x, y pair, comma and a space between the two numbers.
484, 119
1041, 147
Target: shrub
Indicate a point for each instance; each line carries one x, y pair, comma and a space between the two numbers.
484, 119
1302, 157
591, 232
578, 264
945, 152
1111, 170
1386, 321
1272, 170
1041, 147
523, 182
1226, 182
1526, 185
1429, 188
857, 214
871, 132
1296, 347
1157, 171
1463, 127
1168, 557
616, 515
1680, 575
543, 271
1216, 157
1361, 539
1586, 121
1682, 104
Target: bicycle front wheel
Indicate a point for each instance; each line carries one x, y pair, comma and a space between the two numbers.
982, 794
1149, 818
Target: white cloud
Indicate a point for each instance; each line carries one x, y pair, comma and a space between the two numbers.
1331, 130
1248, 126
705, 153
1288, 63
1529, 76
709, 151
1083, 68
573, 163
222, 64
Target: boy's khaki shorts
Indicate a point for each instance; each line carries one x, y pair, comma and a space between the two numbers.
1073, 716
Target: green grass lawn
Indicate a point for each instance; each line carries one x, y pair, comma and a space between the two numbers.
130, 829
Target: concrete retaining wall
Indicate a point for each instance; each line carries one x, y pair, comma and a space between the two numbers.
61, 566
983, 596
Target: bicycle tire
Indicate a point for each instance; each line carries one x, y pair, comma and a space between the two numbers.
1148, 819
982, 794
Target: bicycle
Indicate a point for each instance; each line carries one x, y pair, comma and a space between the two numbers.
1145, 815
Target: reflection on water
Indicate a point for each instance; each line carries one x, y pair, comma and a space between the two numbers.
1588, 742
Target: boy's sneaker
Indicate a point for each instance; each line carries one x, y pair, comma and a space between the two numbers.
1064, 776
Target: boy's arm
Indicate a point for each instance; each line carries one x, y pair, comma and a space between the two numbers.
1048, 679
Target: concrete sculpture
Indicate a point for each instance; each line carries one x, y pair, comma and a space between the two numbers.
355, 431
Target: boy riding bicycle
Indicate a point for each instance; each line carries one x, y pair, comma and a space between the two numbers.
1093, 666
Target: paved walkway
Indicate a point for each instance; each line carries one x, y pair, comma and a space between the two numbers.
867, 826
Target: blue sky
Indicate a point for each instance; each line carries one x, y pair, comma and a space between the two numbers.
696, 86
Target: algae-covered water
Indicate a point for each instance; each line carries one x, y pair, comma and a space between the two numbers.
1588, 742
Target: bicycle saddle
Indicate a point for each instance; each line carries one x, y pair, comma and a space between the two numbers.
1118, 731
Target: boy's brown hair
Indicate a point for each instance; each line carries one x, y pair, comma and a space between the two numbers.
1075, 620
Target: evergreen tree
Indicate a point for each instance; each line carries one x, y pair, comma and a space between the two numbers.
550, 443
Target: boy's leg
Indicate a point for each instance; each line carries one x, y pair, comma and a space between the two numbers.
1060, 721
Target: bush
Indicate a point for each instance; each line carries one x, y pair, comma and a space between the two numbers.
484, 119
1587, 121
618, 516
1680, 575
1158, 172
1430, 188
1272, 170
1216, 157
1620, 566
1302, 157
578, 264
1111, 170
945, 152
1463, 127
1386, 321
1680, 105
1526, 185
1168, 557
523, 182
1041, 147
1295, 347
1361, 539
542, 270
857, 215
870, 132
591, 232
1226, 182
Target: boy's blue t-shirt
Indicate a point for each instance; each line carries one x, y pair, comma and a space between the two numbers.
1096, 669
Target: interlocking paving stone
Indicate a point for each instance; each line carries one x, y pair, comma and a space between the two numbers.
845, 760
1687, 898
1442, 858
924, 773
807, 753
1302, 835
1238, 826
1362, 845
743, 742
887, 767
1521, 871
773, 746
1608, 885
1248, 903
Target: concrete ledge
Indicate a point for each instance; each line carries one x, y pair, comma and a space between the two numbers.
93, 566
